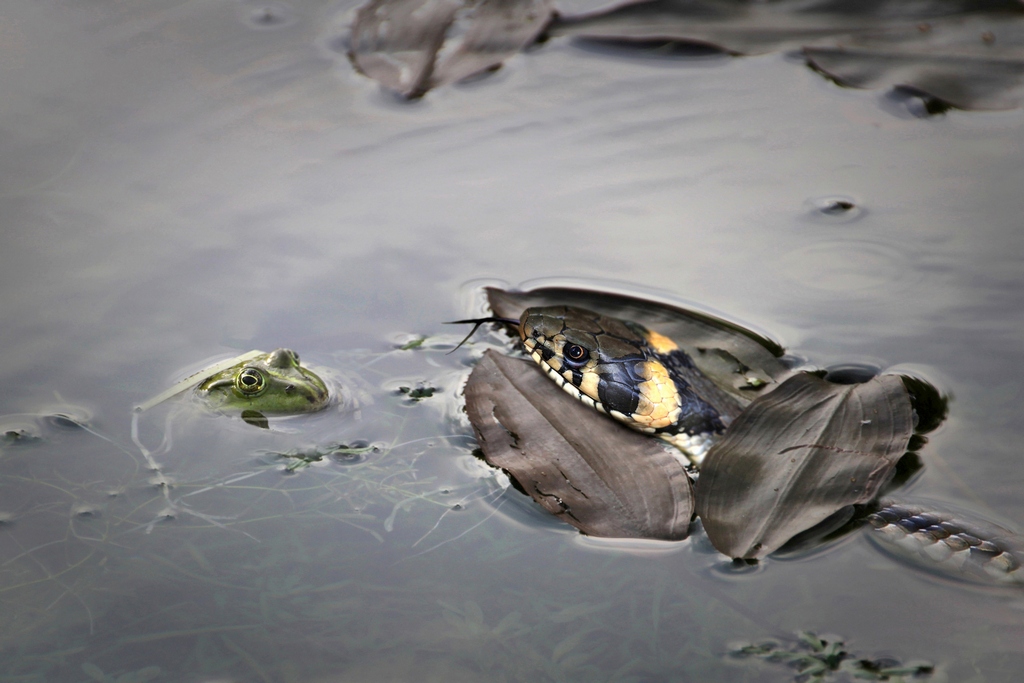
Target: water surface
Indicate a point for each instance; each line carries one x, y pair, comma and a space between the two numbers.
182, 181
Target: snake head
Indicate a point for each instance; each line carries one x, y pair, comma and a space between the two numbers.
615, 366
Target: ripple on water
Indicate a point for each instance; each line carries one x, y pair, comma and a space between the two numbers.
848, 265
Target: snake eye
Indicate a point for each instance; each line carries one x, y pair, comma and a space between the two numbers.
250, 381
575, 354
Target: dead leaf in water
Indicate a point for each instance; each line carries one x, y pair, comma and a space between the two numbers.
585, 469
968, 64
757, 27
968, 55
960, 53
796, 456
411, 46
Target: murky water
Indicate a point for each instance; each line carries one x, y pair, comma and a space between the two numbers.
189, 180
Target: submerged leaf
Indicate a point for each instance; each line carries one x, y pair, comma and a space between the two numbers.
967, 54
411, 46
734, 27
796, 456
969, 64
961, 53
587, 470
754, 26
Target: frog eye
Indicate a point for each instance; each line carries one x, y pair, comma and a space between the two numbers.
250, 381
575, 354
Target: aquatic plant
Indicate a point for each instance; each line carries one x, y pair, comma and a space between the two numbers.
817, 658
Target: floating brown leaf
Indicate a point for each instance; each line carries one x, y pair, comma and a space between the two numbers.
796, 456
411, 46
589, 471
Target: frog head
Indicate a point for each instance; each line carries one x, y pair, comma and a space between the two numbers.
273, 383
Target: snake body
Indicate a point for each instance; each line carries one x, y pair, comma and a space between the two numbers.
631, 373
971, 549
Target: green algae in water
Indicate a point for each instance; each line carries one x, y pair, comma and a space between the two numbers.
414, 344
417, 393
819, 659
341, 453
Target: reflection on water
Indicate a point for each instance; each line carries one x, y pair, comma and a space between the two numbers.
177, 183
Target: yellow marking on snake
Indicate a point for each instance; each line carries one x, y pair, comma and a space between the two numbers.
659, 404
660, 342
589, 385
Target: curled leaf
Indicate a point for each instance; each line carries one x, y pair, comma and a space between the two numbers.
587, 470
